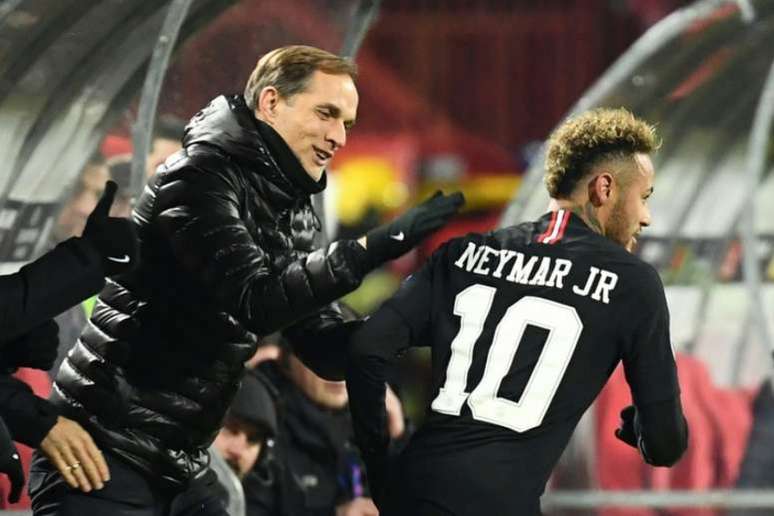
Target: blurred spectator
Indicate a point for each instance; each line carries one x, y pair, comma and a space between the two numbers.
79, 204
250, 424
167, 136
314, 468
120, 169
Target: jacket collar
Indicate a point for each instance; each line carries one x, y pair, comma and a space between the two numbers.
228, 124
288, 162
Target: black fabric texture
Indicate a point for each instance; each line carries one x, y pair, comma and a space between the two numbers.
10, 464
127, 493
29, 418
59, 279
36, 349
500, 304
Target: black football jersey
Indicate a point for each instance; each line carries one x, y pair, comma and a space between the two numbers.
526, 324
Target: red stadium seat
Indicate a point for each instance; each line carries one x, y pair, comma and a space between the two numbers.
719, 419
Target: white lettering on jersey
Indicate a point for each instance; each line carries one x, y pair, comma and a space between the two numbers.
483, 261
542, 273
604, 285
607, 282
471, 254
521, 271
505, 257
561, 269
535, 270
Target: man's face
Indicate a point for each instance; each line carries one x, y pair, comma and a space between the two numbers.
72, 218
314, 123
162, 149
239, 444
329, 395
630, 212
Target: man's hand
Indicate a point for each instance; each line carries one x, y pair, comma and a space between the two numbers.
114, 238
70, 448
395, 238
36, 349
357, 507
626, 431
10, 464
395, 422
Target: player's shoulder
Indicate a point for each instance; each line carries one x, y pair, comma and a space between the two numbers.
510, 236
634, 274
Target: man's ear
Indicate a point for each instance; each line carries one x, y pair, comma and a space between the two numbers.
266, 107
601, 188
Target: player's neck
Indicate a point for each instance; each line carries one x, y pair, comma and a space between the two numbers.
583, 209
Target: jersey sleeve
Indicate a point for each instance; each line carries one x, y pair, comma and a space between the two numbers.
648, 357
399, 324
413, 301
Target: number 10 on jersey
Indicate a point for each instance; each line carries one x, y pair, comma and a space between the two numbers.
473, 305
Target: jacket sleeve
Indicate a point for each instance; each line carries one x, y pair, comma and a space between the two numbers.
199, 214
29, 418
321, 340
59, 279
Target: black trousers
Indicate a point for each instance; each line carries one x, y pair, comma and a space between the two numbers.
127, 493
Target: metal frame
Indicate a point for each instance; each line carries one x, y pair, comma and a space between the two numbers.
526, 200
622, 70
719, 499
362, 18
756, 161
142, 132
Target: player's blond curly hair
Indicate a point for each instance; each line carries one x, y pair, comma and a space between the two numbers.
586, 140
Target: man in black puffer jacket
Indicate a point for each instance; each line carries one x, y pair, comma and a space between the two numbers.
226, 229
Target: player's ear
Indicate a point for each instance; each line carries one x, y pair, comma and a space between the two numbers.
601, 188
266, 107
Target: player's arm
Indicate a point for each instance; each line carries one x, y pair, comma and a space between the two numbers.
400, 323
48, 286
655, 424
71, 272
658, 430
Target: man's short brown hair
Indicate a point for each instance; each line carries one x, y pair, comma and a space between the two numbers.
589, 139
289, 68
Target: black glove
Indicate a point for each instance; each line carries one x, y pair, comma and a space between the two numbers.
395, 238
10, 464
628, 430
114, 238
36, 349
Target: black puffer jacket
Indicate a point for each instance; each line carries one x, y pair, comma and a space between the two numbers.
226, 229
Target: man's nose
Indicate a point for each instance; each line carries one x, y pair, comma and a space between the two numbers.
645, 219
337, 135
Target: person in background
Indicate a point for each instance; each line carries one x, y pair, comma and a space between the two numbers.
167, 135
120, 170
82, 199
249, 427
72, 271
314, 467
